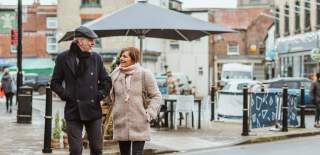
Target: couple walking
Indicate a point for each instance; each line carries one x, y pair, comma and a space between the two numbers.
80, 79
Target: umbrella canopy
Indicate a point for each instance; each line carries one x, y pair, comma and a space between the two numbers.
146, 20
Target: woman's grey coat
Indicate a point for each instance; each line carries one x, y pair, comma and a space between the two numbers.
131, 121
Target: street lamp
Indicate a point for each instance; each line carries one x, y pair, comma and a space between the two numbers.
19, 47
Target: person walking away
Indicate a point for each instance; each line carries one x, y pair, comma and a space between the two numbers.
131, 119
86, 83
7, 87
170, 83
315, 98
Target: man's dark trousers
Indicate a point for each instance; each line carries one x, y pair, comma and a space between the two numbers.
93, 128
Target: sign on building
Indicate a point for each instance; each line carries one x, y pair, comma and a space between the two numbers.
7, 20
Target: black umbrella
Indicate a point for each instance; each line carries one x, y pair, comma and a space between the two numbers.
146, 20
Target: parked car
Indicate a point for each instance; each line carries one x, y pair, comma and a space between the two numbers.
37, 82
294, 84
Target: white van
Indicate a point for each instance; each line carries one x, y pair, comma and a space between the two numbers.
236, 71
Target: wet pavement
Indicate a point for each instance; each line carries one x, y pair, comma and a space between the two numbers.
27, 139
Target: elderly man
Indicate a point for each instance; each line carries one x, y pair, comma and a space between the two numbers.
86, 83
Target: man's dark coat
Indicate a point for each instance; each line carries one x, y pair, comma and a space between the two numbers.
82, 94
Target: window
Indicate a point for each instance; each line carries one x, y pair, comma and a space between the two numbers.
277, 23
52, 22
255, 1
297, 17
174, 45
318, 14
286, 20
90, 3
307, 16
233, 49
52, 43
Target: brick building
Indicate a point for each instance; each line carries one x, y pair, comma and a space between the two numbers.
39, 30
245, 46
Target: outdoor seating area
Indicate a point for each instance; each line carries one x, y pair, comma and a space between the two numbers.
183, 111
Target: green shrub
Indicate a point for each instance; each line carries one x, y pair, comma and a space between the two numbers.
57, 127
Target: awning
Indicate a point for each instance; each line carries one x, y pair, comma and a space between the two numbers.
41, 66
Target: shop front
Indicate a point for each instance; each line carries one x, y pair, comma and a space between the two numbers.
294, 58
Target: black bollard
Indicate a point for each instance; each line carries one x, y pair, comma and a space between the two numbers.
213, 93
245, 121
285, 108
302, 108
48, 122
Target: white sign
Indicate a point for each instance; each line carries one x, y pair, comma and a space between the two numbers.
315, 54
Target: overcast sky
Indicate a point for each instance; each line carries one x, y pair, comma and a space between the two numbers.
186, 3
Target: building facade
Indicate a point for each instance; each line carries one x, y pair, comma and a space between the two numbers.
190, 58
296, 28
247, 46
254, 3
73, 13
39, 30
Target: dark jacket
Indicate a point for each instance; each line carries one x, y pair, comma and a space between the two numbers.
82, 94
6, 82
315, 92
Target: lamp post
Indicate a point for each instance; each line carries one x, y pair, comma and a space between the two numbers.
19, 47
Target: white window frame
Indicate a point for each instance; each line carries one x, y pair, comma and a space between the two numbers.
52, 22
174, 45
237, 48
52, 44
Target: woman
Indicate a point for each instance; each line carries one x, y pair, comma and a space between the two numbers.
315, 96
6, 82
131, 121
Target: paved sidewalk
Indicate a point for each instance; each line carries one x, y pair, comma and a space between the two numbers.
27, 139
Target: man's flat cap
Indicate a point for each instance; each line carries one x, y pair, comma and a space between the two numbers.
83, 31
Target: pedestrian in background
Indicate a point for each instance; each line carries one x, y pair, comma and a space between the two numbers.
131, 119
170, 83
86, 84
315, 98
8, 88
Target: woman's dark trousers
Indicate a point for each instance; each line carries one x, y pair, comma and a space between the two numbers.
135, 146
317, 115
